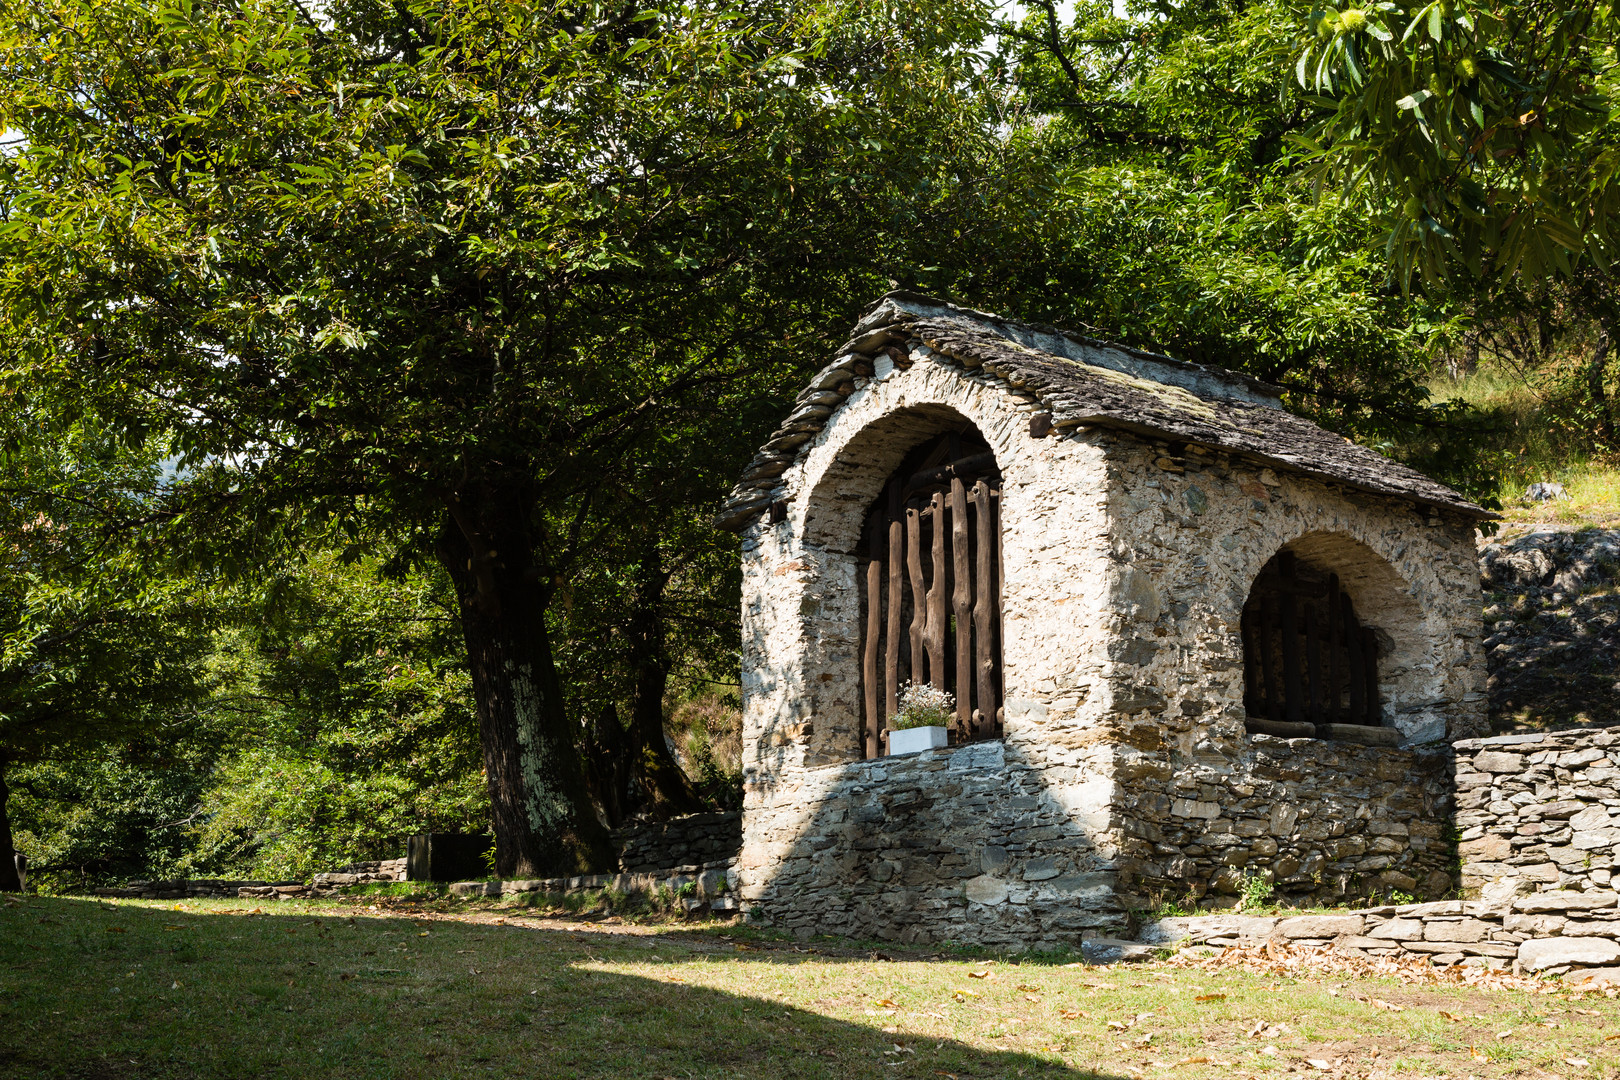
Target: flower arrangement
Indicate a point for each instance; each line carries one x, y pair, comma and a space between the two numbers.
922, 705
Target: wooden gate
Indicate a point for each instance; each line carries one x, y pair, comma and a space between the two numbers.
931, 602
1306, 658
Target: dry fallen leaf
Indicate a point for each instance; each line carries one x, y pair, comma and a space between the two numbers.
1027, 989
1075, 1014
1504, 1034
978, 974
1448, 1016
1380, 1003
1477, 1054
1210, 997
1579, 1063
885, 1003
1318, 1063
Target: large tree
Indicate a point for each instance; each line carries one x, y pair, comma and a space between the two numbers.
98, 645
428, 271
1483, 134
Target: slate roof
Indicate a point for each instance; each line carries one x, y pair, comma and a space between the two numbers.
1081, 382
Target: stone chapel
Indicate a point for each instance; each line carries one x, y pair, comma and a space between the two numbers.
1192, 638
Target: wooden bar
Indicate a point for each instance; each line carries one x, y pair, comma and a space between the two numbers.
1268, 663
984, 606
1334, 623
936, 595
1293, 692
962, 607
919, 610
874, 636
891, 640
1369, 654
1358, 672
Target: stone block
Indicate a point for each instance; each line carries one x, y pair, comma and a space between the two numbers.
1592, 928
1463, 930
1543, 953
1559, 902
1592, 817
986, 889
1486, 848
1398, 930
1105, 950
1498, 761
1501, 949
1596, 979
1319, 926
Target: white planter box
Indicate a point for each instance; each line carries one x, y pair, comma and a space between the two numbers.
915, 740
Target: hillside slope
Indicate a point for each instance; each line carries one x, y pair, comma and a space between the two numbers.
1552, 625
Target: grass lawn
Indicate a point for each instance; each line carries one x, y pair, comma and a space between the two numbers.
388, 988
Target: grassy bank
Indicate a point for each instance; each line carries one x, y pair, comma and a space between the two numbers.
378, 989
1524, 436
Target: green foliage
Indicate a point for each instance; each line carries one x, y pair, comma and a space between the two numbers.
348, 723
1482, 135
110, 815
1179, 221
1257, 891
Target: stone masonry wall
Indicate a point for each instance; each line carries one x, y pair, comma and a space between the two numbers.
695, 839
967, 845
1325, 822
1549, 933
835, 844
1542, 810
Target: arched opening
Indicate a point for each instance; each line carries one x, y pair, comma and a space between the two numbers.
931, 596
1333, 643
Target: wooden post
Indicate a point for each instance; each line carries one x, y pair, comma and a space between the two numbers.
1335, 631
891, 641
874, 635
962, 607
936, 595
984, 612
919, 610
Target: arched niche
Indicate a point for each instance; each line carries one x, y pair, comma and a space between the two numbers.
911, 503
1334, 644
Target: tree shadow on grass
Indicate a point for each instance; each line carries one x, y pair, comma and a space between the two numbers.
90, 989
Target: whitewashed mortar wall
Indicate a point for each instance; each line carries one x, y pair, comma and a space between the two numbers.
1125, 768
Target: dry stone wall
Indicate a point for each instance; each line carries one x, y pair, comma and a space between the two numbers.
702, 839
1547, 933
1539, 809
1321, 821
969, 845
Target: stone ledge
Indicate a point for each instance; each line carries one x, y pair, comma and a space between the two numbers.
1486, 931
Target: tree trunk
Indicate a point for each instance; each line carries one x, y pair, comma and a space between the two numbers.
544, 824
8, 860
663, 783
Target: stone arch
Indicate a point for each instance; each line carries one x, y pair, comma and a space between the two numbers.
833, 489
836, 507
1406, 635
